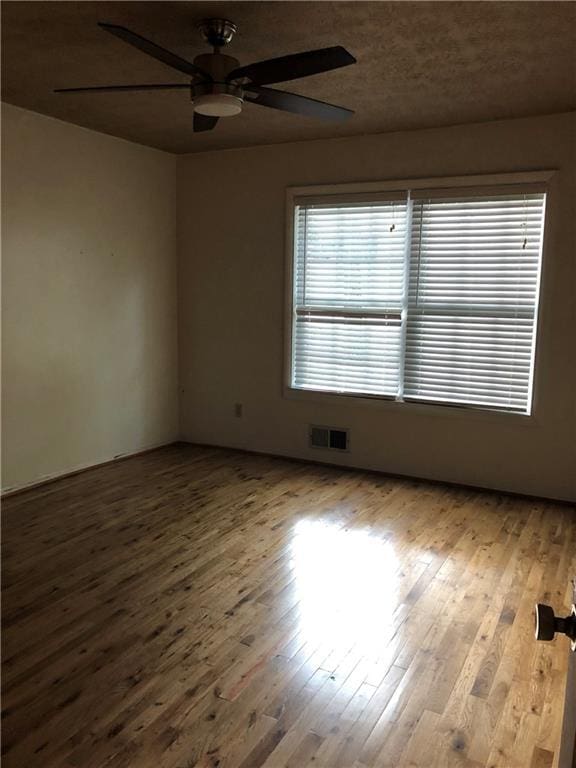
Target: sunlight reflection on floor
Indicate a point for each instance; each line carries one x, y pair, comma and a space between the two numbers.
347, 583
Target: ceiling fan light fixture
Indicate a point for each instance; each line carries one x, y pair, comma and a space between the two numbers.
217, 105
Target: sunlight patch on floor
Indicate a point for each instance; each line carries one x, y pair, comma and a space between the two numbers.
347, 583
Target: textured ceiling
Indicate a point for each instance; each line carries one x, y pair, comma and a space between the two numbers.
420, 64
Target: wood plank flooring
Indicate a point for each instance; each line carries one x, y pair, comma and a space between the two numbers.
203, 608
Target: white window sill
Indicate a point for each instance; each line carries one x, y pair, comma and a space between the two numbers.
397, 407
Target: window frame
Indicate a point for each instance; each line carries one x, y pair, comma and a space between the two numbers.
485, 182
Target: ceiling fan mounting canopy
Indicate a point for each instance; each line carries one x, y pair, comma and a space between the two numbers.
217, 32
219, 86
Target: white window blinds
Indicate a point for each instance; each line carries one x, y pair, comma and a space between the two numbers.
348, 294
431, 298
473, 298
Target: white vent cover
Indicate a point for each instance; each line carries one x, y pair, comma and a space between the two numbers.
330, 438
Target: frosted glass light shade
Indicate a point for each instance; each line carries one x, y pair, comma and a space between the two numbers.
218, 105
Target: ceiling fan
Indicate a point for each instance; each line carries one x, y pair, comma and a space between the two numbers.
219, 86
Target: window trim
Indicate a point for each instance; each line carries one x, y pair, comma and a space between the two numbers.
488, 181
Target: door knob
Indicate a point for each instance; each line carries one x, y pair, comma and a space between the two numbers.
546, 624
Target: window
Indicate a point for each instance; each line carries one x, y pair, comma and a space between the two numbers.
425, 295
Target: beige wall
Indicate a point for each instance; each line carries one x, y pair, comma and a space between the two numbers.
89, 304
88, 297
231, 245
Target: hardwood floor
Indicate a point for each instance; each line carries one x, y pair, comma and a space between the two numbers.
207, 608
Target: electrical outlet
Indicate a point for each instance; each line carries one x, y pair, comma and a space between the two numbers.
238, 410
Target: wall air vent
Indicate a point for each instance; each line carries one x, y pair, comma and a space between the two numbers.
331, 438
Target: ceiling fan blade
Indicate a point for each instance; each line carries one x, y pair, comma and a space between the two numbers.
112, 88
204, 122
156, 51
294, 66
300, 105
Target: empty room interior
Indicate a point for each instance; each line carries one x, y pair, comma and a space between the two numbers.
288, 384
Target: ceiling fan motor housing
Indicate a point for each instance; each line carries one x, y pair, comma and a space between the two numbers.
217, 98
217, 65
